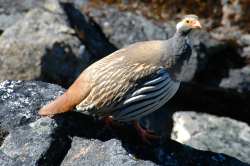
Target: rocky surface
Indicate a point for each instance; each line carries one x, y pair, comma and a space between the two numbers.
46, 141
42, 45
207, 132
238, 79
106, 153
30, 98
12, 11
54, 41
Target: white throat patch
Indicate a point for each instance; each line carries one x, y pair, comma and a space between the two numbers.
179, 25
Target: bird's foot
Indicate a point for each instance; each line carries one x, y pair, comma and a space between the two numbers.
109, 122
145, 134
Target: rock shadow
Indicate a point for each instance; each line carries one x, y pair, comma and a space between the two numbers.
159, 151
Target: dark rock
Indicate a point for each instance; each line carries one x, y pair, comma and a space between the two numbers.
42, 45
207, 132
238, 79
116, 25
88, 32
30, 140
35, 144
20, 101
95, 152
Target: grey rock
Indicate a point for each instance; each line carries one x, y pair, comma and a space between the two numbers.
116, 25
245, 40
246, 52
238, 79
94, 152
207, 132
6, 160
12, 11
123, 28
42, 45
20, 101
88, 31
33, 144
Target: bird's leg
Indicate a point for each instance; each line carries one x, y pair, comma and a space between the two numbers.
144, 134
108, 120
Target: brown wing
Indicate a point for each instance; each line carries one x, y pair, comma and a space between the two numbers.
111, 83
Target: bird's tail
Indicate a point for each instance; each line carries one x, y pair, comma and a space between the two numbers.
66, 102
60, 105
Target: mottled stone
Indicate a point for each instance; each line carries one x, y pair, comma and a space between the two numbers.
211, 133
238, 79
42, 45
95, 152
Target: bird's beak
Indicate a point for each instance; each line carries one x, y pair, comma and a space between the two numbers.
196, 24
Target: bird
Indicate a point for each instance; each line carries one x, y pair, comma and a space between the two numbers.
131, 82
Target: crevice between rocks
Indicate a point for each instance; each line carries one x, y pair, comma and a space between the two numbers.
88, 32
58, 150
3, 134
220, 63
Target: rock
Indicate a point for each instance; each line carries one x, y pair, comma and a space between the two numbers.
238, 79
207, 132
20, 101
7, 161
246, 53
42, 45
95, 152
30, 140
116, 26
88, 31
245, 40
12, 11
235, 13
35, 144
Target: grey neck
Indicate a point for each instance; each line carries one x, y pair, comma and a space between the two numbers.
177, 51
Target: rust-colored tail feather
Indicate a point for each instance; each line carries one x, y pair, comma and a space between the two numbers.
66, 102
60, 105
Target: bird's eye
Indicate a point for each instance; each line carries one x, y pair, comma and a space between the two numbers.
187, 21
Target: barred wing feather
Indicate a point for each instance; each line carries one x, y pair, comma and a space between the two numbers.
150, 96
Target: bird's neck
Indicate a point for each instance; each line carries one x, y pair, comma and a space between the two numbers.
179, 43
178, 50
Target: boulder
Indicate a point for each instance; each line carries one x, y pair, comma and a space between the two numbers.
20, 101
211, 133
95, 152
42, 45
35, 144
12, 11
237, 79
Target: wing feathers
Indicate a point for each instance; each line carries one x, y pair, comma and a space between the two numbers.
148, 98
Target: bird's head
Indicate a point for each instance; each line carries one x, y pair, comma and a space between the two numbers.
188, 23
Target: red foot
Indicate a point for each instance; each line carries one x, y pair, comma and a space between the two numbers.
108, 120
145, 135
